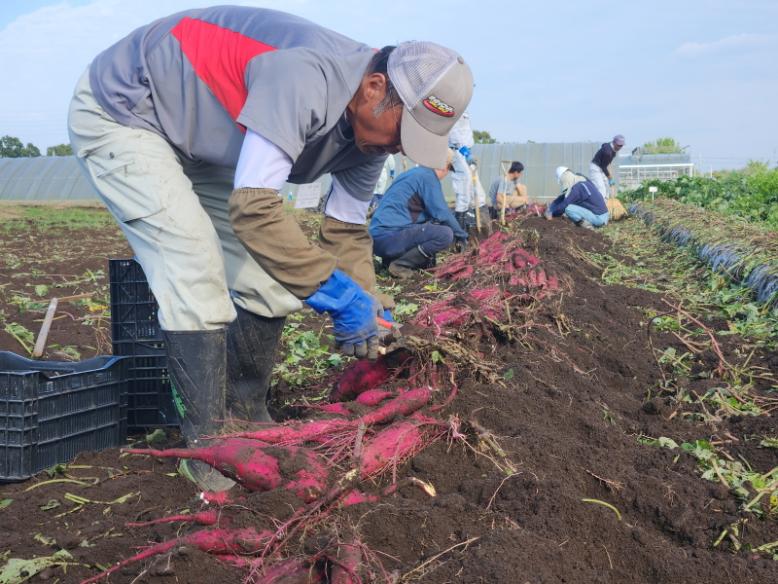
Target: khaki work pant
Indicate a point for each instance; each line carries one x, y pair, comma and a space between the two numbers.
518, 198
175, 216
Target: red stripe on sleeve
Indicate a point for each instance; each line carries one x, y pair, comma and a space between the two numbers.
219, 57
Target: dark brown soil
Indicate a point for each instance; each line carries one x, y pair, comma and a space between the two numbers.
61, 260
577, 392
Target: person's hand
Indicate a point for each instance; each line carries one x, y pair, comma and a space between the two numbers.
460, 244
611, 182
353, 312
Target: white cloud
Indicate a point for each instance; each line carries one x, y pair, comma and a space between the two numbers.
732, 43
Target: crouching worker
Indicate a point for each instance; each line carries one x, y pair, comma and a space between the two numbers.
189, 127
580, 201
506, 192
413, 222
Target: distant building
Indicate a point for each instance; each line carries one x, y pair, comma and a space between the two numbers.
633, 170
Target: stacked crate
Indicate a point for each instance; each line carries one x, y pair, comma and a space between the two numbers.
137, 336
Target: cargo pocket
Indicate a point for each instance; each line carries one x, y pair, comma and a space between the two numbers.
127, 191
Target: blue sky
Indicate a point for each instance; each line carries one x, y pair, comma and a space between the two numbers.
703, 72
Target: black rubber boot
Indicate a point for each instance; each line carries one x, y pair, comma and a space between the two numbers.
460, 217
197, 364
413, 259
252, 343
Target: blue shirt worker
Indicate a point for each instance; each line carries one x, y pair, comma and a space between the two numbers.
413, 222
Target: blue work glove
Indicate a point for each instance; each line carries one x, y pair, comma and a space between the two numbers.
353, 312
388, 315
611, 182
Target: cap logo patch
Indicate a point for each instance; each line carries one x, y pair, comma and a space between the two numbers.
438, 106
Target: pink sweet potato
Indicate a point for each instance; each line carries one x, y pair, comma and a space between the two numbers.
256, 466
359, 377
389, 447
295, 434
372, 397
291, 571
403, 405
336, 409
486, 294
523, 259
212, 541
357, 498
209, 517
517, 280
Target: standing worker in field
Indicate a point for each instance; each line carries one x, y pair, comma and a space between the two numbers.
189, 127
599, 172
460, 140
384, 180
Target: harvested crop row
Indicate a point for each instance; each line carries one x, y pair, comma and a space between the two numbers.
743, 251
369, 430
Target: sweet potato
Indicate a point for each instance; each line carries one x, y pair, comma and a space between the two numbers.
209, 517
256, 466
372, 397
337, 409
295, 434
291, 571
359, 377
212, 541
403, 405
390, 447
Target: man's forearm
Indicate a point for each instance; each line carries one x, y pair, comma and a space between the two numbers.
276, 242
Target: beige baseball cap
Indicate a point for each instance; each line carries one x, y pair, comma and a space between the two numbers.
435, 85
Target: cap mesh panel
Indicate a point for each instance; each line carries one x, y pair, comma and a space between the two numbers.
416, 67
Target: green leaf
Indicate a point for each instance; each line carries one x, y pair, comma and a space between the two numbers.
57, 469
666, 442
508, 375
5, 503
41, 289
769, 442
436, 357
52, 504
158, 436
17, 570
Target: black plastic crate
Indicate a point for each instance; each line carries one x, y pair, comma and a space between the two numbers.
50, 411
136, 335
133, 306
149, 399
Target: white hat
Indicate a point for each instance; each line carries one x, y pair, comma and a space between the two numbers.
560, 170
435, 85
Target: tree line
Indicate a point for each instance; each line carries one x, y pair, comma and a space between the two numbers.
13, 147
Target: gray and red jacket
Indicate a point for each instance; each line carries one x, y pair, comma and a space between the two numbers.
201, 77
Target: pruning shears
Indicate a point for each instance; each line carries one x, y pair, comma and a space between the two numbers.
391, 326
392, 339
